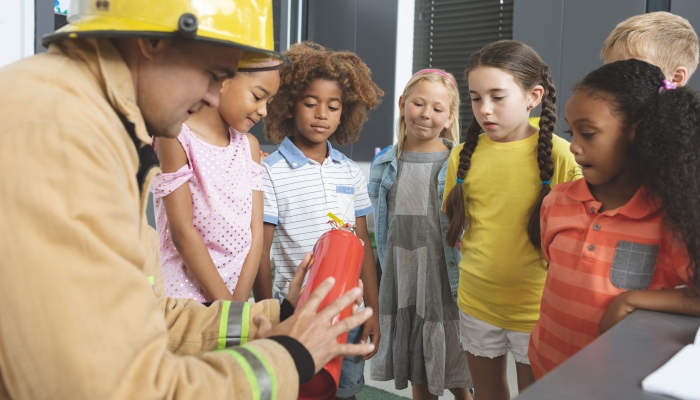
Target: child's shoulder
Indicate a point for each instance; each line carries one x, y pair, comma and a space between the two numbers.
560, 147
272, 159
559, 194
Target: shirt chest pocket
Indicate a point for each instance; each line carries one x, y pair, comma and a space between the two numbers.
345, 195
633, 265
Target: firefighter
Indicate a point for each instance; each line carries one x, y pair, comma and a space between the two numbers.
81, 311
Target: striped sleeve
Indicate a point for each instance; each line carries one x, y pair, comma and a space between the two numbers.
270, 211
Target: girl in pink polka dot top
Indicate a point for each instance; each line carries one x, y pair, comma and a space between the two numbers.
208, 199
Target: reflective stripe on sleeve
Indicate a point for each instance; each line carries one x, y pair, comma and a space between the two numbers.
258, 372
234, 324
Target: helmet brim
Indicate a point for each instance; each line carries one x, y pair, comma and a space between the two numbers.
253, 58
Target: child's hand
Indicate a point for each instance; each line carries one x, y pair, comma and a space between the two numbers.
298, 280
370, 329
618, 310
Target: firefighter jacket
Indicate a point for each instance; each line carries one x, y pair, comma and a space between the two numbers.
81, 311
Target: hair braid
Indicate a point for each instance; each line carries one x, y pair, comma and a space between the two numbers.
548, 118
454, 202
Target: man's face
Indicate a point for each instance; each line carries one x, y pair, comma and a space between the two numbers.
174, 80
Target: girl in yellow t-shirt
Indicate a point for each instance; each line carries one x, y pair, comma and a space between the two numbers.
496, 182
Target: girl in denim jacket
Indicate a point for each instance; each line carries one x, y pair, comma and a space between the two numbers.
417, 310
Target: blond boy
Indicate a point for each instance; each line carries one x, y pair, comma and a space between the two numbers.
660, 38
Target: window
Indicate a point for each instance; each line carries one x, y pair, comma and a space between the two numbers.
447, 32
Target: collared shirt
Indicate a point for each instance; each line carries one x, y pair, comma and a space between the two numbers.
299, 193
593, 257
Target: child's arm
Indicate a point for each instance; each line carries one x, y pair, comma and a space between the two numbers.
675, 301
250, 267
178, 209
369, 278
262, 288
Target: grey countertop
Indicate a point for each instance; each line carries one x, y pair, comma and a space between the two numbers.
614, 365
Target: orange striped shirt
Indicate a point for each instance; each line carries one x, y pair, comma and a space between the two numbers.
592, 258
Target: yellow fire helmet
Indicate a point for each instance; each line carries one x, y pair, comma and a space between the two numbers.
242, 24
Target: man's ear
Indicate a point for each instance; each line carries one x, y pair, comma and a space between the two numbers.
680, 76
150, 47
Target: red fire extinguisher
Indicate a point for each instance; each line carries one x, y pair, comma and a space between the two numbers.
337, 253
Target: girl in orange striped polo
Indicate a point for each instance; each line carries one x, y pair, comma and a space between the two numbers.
627, 235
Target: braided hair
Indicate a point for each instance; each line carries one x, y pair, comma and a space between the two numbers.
528, 70
666, 144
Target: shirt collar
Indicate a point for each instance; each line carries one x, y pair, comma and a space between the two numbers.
296, 157
640, 205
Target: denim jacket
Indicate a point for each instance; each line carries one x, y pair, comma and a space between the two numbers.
381, 178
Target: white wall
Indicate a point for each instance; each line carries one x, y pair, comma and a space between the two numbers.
404, 51
16, 30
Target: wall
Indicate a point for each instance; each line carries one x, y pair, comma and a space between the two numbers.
368, 28
568, 35
689, 9
16, 30
404, 54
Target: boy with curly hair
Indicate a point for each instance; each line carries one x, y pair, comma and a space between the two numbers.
659, 38
325, 95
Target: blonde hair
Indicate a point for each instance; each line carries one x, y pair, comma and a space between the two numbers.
667, 40
448, 81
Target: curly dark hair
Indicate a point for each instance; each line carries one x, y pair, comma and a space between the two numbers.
666, 144
311, 61
528, 69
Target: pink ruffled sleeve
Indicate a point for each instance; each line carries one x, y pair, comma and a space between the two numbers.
164, 184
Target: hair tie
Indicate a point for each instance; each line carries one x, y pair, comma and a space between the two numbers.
460, 181
545, 183
437, 71
668, 85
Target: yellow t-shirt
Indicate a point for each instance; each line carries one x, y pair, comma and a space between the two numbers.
501, 273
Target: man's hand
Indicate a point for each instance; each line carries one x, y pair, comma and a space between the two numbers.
298, 280
313, 329
370, 329
617, 311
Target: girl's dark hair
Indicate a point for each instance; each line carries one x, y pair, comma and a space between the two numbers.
311, 61
666, 144
528, 69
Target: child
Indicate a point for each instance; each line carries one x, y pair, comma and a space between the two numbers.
211, 240
632, 225
663, 39
325, 95
419, 278
496, 182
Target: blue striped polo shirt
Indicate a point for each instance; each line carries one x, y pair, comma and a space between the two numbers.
298, 194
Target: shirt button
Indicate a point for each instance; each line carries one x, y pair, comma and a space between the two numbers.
295, 164
445, 230
592, 208
596, 227
591, 247
452, 263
